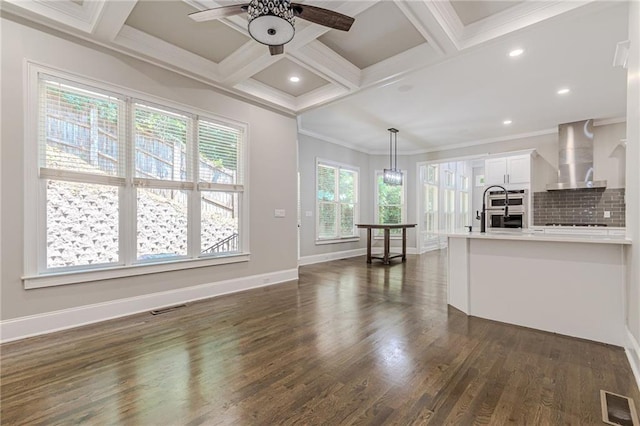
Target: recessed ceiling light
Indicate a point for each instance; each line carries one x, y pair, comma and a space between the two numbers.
294, 79
516, 52
563, 91
507, 122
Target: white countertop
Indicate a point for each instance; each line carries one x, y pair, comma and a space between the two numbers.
520, 235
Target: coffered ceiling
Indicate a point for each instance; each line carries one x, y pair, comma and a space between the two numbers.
418, 65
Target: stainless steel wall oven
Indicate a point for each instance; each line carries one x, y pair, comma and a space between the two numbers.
518, 200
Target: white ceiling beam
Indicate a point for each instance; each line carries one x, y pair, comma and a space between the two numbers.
317, 57
268, 93
112, 19
423, 19
145, 45
79, 17
446, 18
319, 96
251, 58
514, 19
403, 63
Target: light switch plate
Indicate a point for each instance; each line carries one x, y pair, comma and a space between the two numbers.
279, 213
607, 214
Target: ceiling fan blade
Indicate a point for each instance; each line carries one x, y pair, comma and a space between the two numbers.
276, 50
325, 17
219, 12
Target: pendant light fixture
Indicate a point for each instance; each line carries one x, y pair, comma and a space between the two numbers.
393, 176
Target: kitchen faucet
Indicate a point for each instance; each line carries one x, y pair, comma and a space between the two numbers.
483, 216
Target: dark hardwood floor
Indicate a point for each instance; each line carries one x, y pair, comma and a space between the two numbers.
349, 343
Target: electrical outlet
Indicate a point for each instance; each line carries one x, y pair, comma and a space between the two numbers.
279, 213
607, 214
308, 213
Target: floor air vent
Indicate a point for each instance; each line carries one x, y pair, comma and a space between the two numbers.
167, 309
618, 410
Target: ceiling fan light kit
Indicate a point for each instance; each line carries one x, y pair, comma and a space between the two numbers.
271, 22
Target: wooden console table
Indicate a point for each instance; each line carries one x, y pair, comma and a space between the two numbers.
387, 238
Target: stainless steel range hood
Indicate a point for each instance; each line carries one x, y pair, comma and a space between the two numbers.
575, 157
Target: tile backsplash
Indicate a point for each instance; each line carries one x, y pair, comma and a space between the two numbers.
579, 206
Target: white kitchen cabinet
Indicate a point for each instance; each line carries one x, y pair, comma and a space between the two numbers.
507, 170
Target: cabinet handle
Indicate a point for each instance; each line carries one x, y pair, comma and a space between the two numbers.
504, 178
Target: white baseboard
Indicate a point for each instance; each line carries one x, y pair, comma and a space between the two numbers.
33, 325
326, 257
632, 350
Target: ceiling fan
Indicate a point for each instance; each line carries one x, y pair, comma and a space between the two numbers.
271, 22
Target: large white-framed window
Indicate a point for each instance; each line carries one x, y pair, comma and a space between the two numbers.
390, 203
125, 184
449, 204
431, 188
463, 190
337, 201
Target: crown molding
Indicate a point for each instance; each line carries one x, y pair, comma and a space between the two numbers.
331, 140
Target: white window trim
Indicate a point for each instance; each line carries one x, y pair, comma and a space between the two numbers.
35, 276
376, 214
122, 271
346, 239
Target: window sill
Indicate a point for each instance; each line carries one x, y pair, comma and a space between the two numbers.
76, 277
338, 240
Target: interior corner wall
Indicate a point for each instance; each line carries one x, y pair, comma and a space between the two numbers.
633, 175
309, 149
271, 184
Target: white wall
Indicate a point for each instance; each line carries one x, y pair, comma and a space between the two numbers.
633, 182
308, 150
272, 142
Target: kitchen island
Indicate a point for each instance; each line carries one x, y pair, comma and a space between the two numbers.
568, 284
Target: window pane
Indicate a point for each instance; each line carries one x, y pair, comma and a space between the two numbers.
82, 224
326, 183
161, 141
347, 220
464, 209
390, 214
389, 194
328, 212
219, 217
79, 130
219, 148
162, 223
347, 186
